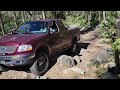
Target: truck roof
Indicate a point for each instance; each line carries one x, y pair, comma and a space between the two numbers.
45, 20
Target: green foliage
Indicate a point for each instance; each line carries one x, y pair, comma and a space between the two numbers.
106, 33
118, 76
116, 44
107, 26
8, 23
48, 15
19, 20
94, 18
100, 72
75, 21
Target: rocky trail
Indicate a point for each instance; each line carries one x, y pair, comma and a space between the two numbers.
88, 47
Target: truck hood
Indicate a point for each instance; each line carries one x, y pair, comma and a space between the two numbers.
19, 38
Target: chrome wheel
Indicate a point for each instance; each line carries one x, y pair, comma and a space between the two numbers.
74, 48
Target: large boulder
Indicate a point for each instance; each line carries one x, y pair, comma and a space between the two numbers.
65, 60
109, 75
102, 56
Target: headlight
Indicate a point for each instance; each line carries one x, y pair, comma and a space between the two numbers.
23, 48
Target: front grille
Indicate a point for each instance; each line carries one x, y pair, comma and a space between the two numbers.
7, 49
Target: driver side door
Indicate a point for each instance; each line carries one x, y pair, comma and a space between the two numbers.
55, 40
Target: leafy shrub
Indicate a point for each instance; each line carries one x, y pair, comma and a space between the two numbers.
74, 21
116, 44
100, 72
106, 29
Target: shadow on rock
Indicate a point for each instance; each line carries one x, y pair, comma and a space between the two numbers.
110, 74
81, 46
54, 58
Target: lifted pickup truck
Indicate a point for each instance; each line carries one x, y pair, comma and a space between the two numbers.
34, 41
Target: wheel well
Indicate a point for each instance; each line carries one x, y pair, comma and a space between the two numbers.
75, 38
43, 49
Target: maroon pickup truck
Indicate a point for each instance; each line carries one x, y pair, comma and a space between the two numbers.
34, 41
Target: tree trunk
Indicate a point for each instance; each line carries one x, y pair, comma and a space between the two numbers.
43, 14
38, 15
89, 18
15, 20
66, 13
99, 15
2, 24
23, 16
26, 16
86, 16
104, 17
33, 15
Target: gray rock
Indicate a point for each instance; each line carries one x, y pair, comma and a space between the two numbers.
109, 75
83, 51
102, 56
77, 58
110, 65
66, 60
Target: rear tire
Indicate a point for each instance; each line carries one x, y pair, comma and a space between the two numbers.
73, 48
41, 64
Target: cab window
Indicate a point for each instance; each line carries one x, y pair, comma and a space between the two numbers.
53, 27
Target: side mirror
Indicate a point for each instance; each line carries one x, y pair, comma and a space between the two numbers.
13, 30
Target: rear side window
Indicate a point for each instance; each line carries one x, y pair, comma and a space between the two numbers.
53, 27
61, 25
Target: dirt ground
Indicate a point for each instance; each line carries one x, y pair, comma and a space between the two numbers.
88, 46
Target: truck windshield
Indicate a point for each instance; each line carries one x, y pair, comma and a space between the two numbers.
33, 27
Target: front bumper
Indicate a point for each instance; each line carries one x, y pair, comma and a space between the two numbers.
17, 60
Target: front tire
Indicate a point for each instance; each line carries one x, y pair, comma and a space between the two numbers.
41, 64
3, 68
